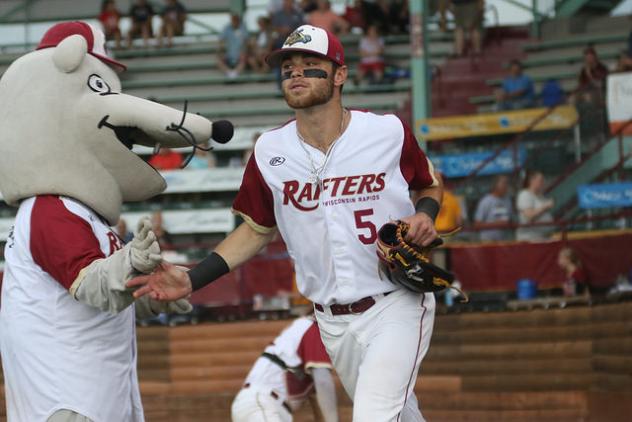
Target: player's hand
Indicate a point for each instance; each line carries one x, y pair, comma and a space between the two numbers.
167, 283
421, 229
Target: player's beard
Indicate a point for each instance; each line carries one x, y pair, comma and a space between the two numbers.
314, 98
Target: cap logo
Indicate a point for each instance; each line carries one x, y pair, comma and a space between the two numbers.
297, 37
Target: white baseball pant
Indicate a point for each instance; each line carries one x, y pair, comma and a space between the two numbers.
377, 354
256, 404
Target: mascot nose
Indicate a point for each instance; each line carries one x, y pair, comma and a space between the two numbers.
223, 131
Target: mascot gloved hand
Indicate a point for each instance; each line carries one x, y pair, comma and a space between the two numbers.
102, 283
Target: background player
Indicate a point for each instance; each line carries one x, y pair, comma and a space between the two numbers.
285, 375
327, 181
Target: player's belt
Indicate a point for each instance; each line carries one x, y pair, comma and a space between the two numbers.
275, 396
356, 307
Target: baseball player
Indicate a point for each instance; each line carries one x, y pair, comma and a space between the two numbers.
327, 181
285, 375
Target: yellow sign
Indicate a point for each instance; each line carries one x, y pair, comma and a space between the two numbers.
444, 128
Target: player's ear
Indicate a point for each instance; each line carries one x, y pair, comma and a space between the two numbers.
340, 75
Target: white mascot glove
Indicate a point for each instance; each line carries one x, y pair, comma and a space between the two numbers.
102, 283
144, 248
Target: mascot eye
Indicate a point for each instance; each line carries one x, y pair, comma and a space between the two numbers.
97, 84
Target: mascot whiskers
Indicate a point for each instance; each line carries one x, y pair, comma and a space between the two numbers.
67, 322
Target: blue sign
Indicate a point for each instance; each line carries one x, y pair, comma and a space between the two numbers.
461, 165
605, 195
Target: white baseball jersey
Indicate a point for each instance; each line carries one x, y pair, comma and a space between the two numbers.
58, 353
330, 227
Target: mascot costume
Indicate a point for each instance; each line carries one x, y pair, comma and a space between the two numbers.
67, 322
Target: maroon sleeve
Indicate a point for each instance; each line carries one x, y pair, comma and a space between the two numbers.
312, 351
414, 163
62, 243
254, 200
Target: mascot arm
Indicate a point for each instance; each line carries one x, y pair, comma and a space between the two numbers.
102, 283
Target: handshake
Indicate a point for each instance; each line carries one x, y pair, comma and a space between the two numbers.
162, 287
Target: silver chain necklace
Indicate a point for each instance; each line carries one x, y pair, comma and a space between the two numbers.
317, 171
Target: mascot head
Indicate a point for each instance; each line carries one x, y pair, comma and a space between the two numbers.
67, 129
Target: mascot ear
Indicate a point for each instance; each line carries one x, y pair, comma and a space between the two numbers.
70, 53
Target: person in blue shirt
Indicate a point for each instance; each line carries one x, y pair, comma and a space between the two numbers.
232, 52
517, 89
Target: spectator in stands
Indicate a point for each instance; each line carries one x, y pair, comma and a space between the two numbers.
371, 57
533, 207
233, 47
450, 215
201, 160
166, 159
122, 232
468, 17
326, 18
494, 211
284, 21
173, 17
552, 93
260, 45
141, 14
398, 16
109, 18
591, 87
517, 89
576, 282
162, 235
308, 6
440, 7
376, 13
292, 368
354, 15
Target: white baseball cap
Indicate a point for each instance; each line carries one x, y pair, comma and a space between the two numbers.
310, 40
95, 38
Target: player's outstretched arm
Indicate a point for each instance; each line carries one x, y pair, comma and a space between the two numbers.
171, 283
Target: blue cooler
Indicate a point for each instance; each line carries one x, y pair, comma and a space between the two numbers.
526, 289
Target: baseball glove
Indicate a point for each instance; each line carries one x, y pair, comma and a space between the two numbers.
407, 264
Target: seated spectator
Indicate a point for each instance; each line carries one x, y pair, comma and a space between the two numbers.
232, 52
517, 89
109, 18
122, 232
493, 211
284, 21
450, 215
261, 45
324, 17
141, 14
173, 17
308, 6
201, 160
533, 207
354, 15
591, 87
468, 17
441, 7
398, 16
552, 93
166, 159
576, 282
371, 56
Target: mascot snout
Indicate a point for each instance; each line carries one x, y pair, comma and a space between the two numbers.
81, 127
